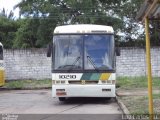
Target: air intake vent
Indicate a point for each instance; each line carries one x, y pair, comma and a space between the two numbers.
99, 31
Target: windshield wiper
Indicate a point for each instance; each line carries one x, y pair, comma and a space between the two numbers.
93, 64
77, 59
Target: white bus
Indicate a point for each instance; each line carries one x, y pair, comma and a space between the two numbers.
2, 81
83, 61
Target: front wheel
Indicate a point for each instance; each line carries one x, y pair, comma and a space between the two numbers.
108, 98
62, 98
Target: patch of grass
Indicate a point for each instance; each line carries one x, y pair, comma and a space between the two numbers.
15, 84
22, 84
138, 104
156, 96
136, 82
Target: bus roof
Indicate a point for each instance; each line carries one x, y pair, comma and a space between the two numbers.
83, 28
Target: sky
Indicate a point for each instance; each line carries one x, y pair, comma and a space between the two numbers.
8, 5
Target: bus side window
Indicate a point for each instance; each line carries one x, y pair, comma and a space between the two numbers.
1, 53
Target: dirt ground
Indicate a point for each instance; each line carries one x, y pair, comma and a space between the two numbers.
136, 100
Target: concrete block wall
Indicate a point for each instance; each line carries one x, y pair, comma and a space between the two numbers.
33, 63
27, 64
132, 62
155, 54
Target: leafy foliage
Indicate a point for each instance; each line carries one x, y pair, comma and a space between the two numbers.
26, 34
8, 28
38, 18
46, 15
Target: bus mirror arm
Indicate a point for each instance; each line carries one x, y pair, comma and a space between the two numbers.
49, 50
118, 52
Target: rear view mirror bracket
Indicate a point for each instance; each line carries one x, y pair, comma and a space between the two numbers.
49, 50
118, 52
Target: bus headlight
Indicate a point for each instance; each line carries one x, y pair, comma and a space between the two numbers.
58, 82
113, 81
107, 82
53, 82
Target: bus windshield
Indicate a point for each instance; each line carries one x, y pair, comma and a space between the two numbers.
99, 52
68, 52
1, 53
83, 52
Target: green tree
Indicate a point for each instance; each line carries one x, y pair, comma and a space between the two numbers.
8, 27
131, 26
26, 33
118, 13
59, 12
45, 32
155, 33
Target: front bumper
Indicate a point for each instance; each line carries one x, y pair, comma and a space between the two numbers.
83, 91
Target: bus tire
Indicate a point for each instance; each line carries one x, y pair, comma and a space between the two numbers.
62, 98
108, 98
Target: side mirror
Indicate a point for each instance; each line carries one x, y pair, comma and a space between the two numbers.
118, 52
0, 38
49, 50
1, 53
